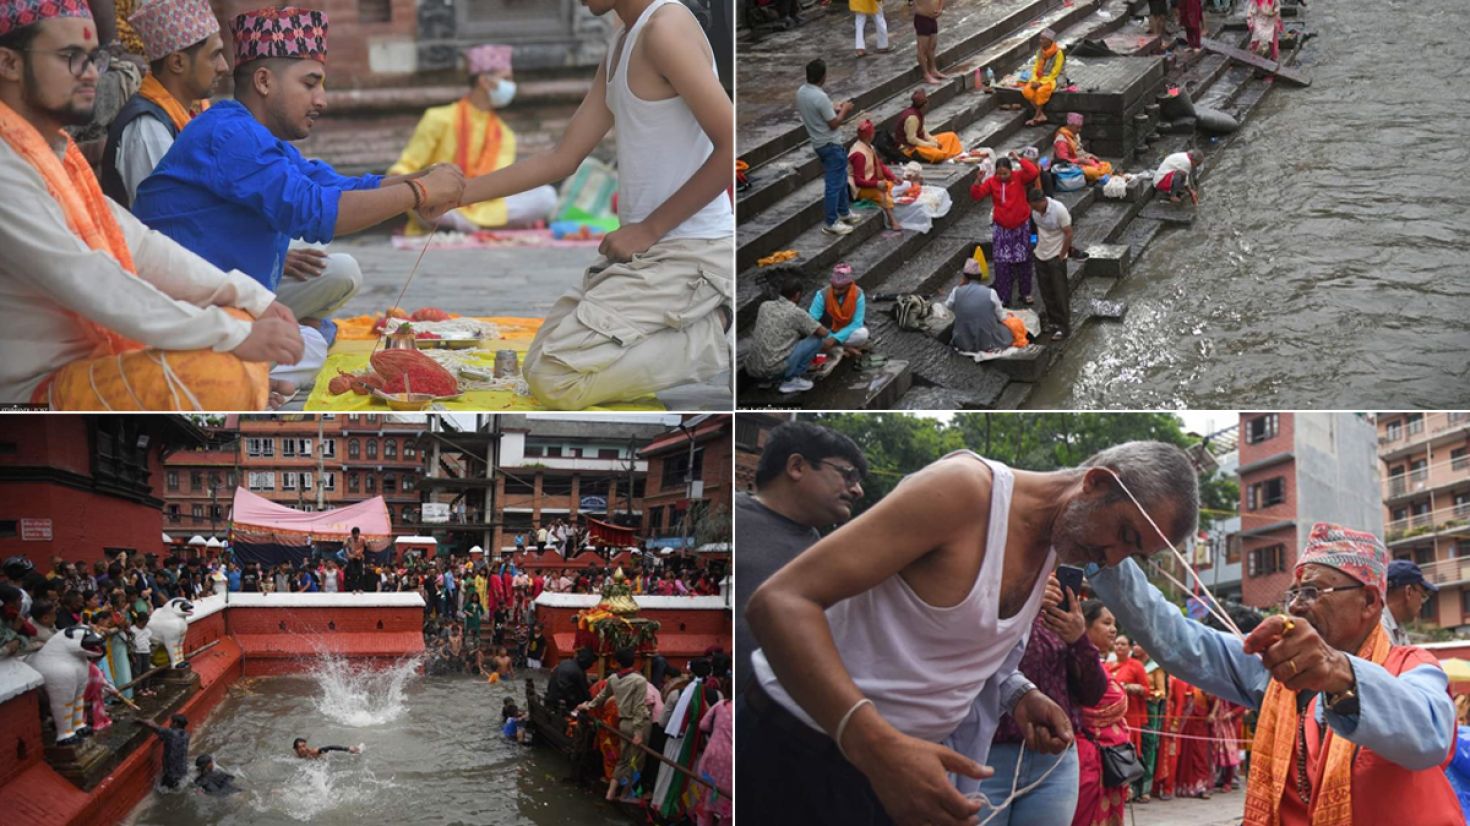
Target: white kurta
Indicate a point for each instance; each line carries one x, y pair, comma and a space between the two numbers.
47, 274
144, 142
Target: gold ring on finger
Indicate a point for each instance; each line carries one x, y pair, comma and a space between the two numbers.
1292, 662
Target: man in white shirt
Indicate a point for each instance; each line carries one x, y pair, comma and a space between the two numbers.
1053, 244
104, 313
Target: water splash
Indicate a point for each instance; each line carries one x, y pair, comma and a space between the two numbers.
362, 696
317, 787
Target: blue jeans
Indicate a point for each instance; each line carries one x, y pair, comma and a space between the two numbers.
1051, 804
802, 356
834, 174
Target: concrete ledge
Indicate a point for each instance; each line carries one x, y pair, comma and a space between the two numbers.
552, 600
393, 599
16, 678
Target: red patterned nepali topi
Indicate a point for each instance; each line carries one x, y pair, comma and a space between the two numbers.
1360, 555
291, 32
168, 26
17, 14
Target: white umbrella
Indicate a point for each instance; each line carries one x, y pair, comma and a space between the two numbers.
477, 550
666, 551
197, 540
214, 543
167, 540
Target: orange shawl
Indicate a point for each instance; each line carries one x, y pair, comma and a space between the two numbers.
70, 181
489, 151
842, 314
1274, 756
153, 91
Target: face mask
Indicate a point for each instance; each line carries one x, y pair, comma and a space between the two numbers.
503, 94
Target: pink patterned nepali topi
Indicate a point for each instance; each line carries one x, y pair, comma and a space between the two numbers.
168, 26
291, 32
18, 14
488, 58
1360, 555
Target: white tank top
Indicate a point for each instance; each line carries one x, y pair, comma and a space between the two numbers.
923, 666
660, 146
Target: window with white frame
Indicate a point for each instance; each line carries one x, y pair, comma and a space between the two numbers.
288, 481
329, 480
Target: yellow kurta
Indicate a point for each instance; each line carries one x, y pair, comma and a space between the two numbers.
436, 140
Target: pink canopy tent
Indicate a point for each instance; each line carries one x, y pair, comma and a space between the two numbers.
267, 532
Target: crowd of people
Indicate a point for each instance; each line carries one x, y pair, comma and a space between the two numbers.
683, 714
1031, 232
168, 249
880, 670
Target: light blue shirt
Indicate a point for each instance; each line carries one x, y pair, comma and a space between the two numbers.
1407, 719
819, 309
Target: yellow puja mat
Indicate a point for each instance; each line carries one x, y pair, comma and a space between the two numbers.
354, 345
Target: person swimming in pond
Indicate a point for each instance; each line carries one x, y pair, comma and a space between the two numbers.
513, 721
306, 752
211, 780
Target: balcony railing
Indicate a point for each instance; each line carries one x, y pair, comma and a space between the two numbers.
1456, 518
1446, 571
1411, 482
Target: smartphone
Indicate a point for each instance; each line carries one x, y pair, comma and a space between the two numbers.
1069, 577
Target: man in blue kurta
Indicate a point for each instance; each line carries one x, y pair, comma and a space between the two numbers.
234, 191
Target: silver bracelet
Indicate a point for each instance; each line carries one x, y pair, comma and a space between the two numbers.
842, 726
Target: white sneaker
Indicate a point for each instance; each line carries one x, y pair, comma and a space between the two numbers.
838, 228
796, 385
851, 219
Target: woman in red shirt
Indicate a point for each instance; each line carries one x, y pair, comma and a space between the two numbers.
1010, 243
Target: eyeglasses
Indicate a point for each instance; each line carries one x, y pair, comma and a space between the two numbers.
78, 61
1310, 593
850, 475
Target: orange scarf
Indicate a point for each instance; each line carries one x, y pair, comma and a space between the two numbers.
489, 151
70, 181
153, 91
1066, 134
842, 314
1273, 763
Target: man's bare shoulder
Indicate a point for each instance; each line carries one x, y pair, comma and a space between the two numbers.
959, 474
674, 27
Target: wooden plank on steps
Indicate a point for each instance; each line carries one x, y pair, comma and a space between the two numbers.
1291, 76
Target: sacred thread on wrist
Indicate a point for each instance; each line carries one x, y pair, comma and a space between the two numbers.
842, 726
420, 192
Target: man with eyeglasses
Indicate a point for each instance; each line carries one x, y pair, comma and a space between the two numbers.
102, 313
890, 648
1408, 590
808, 479
1353, 728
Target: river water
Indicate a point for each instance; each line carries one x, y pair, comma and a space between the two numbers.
432, 754
1327, 267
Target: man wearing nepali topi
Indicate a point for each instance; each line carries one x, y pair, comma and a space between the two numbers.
103, 313
470, 134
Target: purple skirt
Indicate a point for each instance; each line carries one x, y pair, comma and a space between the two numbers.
1012, 246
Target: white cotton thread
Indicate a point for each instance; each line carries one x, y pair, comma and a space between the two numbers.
842, 726
1015, 779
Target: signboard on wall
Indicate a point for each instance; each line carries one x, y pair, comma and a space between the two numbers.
593, 504
35, 530
434, 512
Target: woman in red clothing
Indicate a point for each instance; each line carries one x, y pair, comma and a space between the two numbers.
1195, 773
1102, 725
1010, 243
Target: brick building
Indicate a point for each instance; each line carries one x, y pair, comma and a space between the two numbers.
84, 486
1297, 469
1426, 504
697, 451
305, 462
545, 468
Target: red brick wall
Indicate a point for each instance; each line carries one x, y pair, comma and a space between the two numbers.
20, 744
82, 522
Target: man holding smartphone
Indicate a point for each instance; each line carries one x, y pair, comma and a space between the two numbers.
889, 649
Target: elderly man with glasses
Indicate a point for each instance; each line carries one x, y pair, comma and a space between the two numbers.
1353, 729
1408, 590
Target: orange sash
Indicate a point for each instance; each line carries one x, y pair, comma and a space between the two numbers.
1274, 756
489, 151
153, 91
842, 314
70, 181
